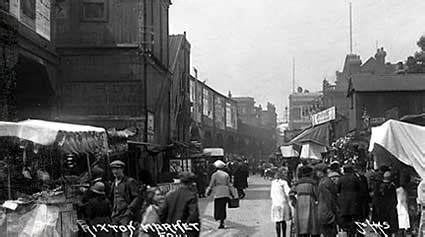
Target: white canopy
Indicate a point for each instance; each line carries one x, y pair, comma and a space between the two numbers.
77, 138
404, 141
312, 150
288, 151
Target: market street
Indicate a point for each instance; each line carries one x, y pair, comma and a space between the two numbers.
252, 218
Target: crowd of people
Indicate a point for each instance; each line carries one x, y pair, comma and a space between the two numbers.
328, 199
127, 202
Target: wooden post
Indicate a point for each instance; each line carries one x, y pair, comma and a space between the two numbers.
88, 165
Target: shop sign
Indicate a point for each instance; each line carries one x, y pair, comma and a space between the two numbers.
324, 116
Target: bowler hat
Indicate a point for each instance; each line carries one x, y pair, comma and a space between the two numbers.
98, 188
117, 164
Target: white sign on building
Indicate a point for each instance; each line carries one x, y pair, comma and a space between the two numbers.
324, 116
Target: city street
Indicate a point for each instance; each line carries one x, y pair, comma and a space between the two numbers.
252, 218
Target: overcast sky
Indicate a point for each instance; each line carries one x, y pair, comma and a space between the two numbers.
246, 46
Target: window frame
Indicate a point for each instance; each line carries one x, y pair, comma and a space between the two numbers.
105, 18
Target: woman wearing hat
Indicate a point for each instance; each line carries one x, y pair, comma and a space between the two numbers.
304, 197
386, 203
220, 184
98, 209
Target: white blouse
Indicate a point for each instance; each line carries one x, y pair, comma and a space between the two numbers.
279, 192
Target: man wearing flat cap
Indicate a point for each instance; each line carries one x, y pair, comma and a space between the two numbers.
124, 195
182, 204
327, 202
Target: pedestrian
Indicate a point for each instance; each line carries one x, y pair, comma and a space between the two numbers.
364, 194
328, 202
201, 179
334, 171
220, 185
386, 200
421, 203
240, 178
402, 207
125, 197
182, 205
279, 193
304, 198
98, 209
348, 188
150, 210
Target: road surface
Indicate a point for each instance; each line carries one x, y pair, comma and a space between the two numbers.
252, 218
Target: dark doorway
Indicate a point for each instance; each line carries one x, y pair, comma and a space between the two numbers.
34, 94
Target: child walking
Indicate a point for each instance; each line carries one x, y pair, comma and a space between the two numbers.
280, 210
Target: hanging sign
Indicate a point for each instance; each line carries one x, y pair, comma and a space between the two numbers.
324, 116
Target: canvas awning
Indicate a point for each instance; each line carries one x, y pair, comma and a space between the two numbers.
288, 151
312, 150
404, 141
319, 134
71, 138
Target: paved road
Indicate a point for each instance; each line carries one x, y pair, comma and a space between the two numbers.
252, 218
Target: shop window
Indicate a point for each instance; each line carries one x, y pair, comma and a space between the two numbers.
94, 10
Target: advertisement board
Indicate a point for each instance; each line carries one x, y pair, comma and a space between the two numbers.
324, 116
219, 112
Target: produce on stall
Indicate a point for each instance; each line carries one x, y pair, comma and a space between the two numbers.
41, 163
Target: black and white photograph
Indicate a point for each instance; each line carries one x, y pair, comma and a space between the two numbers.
209, 118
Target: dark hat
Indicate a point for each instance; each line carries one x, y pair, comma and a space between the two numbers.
187, 177
98, 188
117, 164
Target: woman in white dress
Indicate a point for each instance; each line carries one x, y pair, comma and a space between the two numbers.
280, 210
402, 209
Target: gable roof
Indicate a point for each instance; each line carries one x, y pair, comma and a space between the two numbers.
392, 82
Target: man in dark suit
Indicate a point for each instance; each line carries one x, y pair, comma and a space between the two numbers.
182, 205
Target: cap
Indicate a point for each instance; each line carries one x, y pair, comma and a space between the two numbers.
98, 188
187, 177
219, 164
117, 164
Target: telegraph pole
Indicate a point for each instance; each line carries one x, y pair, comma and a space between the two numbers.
351, 30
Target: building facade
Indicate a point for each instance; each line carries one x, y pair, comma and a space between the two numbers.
301, 106
336, 95
114, 68
28, 61
377, 98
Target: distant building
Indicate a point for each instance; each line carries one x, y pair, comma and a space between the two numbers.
376, 98
335, 95
255, 115
301, 106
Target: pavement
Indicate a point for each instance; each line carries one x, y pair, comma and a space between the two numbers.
252, 218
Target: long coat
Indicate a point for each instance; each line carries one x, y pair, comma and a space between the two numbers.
363, 198
181, 205
348, 189
240, 175
220, 184
98, 211
386, 205
328, 202
305, 194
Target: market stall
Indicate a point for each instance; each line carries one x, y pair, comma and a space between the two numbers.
42, 165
